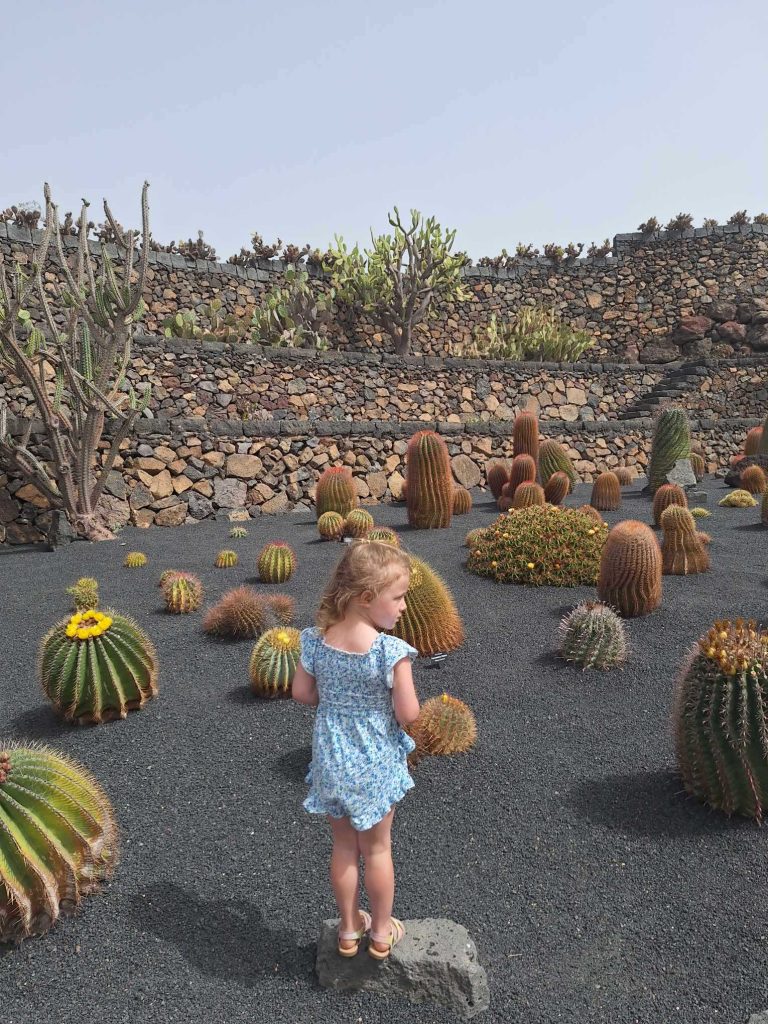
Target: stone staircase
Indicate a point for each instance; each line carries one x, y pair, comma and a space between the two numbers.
680, 379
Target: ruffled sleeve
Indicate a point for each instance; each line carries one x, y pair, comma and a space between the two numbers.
395, 650
309, 640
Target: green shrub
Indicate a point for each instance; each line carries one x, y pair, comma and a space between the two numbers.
533, 333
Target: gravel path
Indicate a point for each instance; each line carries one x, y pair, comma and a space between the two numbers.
595, 890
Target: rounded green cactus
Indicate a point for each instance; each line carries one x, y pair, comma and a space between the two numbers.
97, 666
135, 560
430, 622
85, 593
383, 533
358, 523
183, 593
336, 491
226, 559
553, 458
330, 526
58, 838
671, 441
276, 563
238, 532
429, 492
273, 662
593, 635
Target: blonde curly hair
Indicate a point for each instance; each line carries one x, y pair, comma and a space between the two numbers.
367, 566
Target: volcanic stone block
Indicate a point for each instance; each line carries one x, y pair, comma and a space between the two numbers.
436, 961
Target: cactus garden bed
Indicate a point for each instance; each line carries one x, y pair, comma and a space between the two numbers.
595, 889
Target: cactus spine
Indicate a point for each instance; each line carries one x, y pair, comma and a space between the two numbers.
556, 488
666, 495
273, 662
525, 435
630, 569
606, 492
593, 635
445, 726
58, 838
462, 501
671, 441
336, 491
527, 494
429, 494
430, 622
226, 559
683, 549
330, 526
277, 563
358, 523
553, 458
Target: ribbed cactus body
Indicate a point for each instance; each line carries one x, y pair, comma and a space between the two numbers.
630, 569
753, 480
358, 523
553, 458
720, 719
496, 475
522, 471
671, 441
606, 492
97, 666
430, 483
85, 593
384, 534
624, 475
666, 495
738, 499
589, 510
446, 725
183, 593
556, 488
430, 622
698, 465
58, 839
330, 526
593, 635
525, 435
528, 494
462, 501
226, 559
276, 563
336, 491
752, 441
238, 532
273, 662
135, 560
239, 614
683, 548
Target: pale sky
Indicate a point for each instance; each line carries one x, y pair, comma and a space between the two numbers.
508, 121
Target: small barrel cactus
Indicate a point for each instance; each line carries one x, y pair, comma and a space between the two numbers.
698, 465
525, 435
239, 614
282, 607
97, 666
593, 635
738, 499
273, 662
666, 495
606, 492
496, 475
226, 559
752, 441
720, 719
430, 622
58, 838
385, 535
336, 491
238, 532
183, 593
166, 576
754, 480
591, 511
445, 726
671, 441
330, 526
276, 563
85, 593
630, 569
475, 536
553, 458
528, 494
135, 560
683, 549
358, 523
462, 501
429, 494
556, 488
522, 471
624, 475
700, 513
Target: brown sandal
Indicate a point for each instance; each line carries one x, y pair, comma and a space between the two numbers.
396, 932
354, 936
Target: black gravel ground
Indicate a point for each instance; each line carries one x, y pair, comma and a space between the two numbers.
595, 889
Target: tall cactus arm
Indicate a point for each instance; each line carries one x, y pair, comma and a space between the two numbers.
18, 454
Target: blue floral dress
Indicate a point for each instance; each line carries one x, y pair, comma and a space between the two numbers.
359, 751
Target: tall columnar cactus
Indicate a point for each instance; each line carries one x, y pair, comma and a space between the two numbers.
720, 721
336, 491
330, 526
85, 593
446, 725
754, 480
358, 523
556, 488
273, 662
276, 563
593, 635
630, 569
553, 458
683, 548
97, 666
606, 492
528, 494
671, 441
430, 482
462, 501
752, 441
525, 435
496, 475
183, 593
58, 838
666, 495
430, 622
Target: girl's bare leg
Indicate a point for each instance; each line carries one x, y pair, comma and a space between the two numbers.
376, 848
345, 875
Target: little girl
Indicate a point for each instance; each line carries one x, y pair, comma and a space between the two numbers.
360, 681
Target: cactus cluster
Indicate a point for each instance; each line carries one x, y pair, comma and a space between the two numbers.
97, 666
182, 592
553, 458
135, 560
720, 720
330, 526
683, 548
85, 593
336, 491
446, 725
358, 523
593, 636
462, 501
666, 495
606, 492
738, 499
630, 569
58, 838
430, 622
226, 559
273, 662
671, 441
276, 562
429, 492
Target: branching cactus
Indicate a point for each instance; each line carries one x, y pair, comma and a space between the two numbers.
671, 441
496, 475
630, 569
358, 523
553, 458
666, 495
273, 662
85, 593
720, 719
606, 492
462, 501
556, 488
752, 441
528, 494
430, 622
525, 436
446, 725
183, 593
754, 480
276, 563
330, 526
240, 614
97, 666
336, 491
683, 548
430, 483
58, 839
593, 636
226, 559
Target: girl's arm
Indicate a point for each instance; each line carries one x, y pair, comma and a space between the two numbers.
404, 699
304, 687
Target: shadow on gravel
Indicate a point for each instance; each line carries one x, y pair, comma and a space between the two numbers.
224, 938
650, 804
294, 764
241, 695
38, 723
751, 527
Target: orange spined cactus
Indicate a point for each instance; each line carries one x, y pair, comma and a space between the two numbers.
630, 569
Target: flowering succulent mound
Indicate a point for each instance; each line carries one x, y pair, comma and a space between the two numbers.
738, 499
541, 545
276, 563
330, 526
384, 535
591, 511
85, 593
474, 536
273, 662
445, 725
226, 559
58, 838
358, 523
135, 560
720, 721
97, 666
593, 635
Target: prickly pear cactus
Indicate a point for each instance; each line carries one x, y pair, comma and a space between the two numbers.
273, 662
593, 635
277, 562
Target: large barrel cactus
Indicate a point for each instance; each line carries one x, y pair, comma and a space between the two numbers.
671, 441
336, 491
58, 838
683, 548
273, 662
445, 725
358, 523
430, 622
97, 666
666, 495
720, 719
276, 562
630, 569
606, 492
553, 458
429, 494
525, 435
556, 488
593, 635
